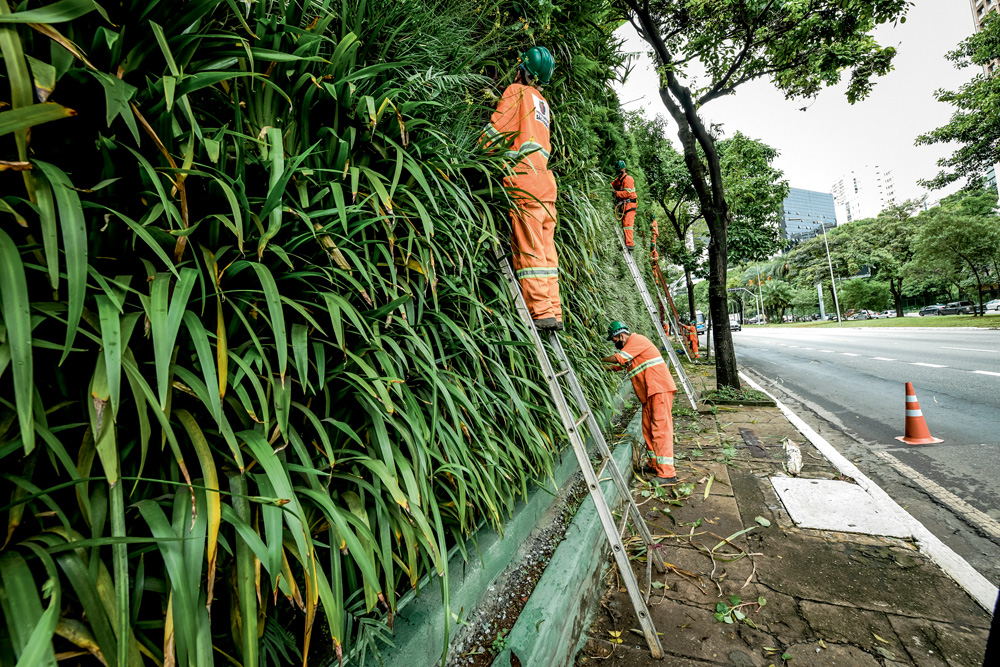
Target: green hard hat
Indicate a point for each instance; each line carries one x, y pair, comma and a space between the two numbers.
539, 64
621, 164
616, 328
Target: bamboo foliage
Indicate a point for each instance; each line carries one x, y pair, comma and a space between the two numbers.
258, 371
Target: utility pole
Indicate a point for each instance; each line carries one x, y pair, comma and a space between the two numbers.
833, 281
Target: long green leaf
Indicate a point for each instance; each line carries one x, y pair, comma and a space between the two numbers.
36, 114
17, 319
276, 315
165, 317
74, 233
57, 12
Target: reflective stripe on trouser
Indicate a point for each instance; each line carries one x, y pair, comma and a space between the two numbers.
628, 225
658, 431
536, 263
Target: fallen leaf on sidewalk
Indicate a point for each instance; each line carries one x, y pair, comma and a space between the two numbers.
762, 521
880, 639
885, 653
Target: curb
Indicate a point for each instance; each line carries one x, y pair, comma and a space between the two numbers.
552, 626
975, 584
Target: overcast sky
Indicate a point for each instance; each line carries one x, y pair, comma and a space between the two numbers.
820, 144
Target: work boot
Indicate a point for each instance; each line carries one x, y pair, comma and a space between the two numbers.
631, 248
559, 326
547, 324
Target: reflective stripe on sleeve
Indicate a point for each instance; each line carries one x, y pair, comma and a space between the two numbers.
669, 460
647, 364
626, 356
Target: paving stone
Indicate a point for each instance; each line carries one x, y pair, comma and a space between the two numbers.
781, 617
930, 644
861, 575
731, 577
849, 625
834, 655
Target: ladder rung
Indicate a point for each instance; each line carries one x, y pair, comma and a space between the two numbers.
582, 419
565, 371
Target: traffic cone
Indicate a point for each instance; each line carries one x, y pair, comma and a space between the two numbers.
916, 427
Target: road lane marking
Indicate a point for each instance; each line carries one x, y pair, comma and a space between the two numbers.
850, 354
987, 373
830, 351
967, 349
981, 519
809, 348
883, 359
920, 363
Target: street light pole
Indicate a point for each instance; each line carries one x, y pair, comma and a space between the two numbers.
833, 281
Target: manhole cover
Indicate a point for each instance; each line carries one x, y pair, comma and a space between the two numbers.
827, 504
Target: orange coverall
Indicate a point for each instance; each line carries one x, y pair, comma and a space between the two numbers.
654, 230
624, 187
655, 389
524, 116
692, 338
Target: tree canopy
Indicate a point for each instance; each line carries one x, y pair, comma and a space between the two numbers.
975, 121
706, 50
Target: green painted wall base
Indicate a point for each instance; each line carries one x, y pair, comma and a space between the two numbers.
419, 630
552, 625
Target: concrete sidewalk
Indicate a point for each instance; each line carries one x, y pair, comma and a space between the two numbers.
786, 594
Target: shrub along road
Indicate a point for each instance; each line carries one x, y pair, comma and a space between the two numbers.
854, 380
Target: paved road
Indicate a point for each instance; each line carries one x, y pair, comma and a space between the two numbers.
853, 379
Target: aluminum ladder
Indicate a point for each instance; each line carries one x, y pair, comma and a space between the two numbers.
572, 425
671, 311
640, 285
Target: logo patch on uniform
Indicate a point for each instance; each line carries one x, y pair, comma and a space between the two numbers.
542, 111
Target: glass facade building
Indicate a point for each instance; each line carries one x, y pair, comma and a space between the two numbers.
804, 212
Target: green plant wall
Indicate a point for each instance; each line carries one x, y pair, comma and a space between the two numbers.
258, 368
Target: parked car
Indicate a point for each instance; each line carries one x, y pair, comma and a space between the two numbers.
992, 305
958, 308
862, 315
934, 309
734, 322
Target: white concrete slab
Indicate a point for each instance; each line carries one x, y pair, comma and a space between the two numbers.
827, 504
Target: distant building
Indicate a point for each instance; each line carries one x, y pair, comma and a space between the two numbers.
990, 182
863, 193
804, 212
980, 9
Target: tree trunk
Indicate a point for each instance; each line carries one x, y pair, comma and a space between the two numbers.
690, 290
897, 295
726, 372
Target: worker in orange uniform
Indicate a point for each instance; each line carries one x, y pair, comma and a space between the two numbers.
654, 233
655, 389
625, 203
524, 118
691, 333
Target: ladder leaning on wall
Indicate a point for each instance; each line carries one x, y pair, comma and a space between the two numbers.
572, 423
640, 285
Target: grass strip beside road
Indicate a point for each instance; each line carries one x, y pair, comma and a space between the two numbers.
990, 321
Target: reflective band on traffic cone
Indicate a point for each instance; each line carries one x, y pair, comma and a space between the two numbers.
916, 427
